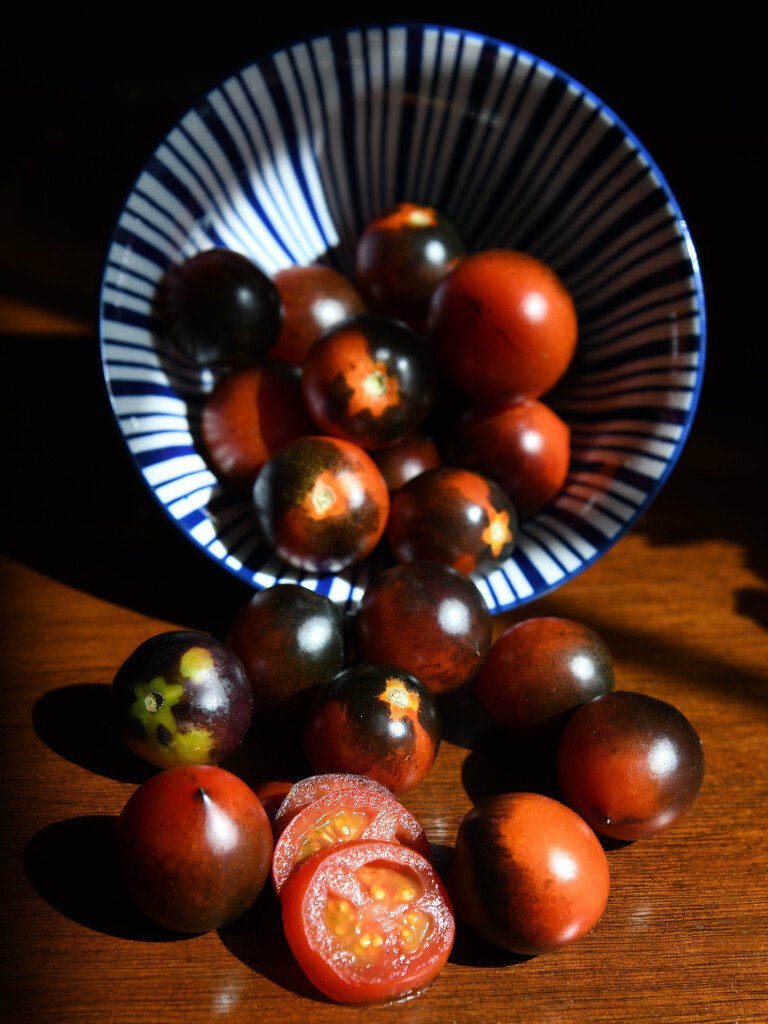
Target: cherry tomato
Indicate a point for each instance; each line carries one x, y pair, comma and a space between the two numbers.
503, 325
182, 698
289, 640
221, 309
629, 764
369, 380
306, 791
314, 299
193, 847
528, 873
539, 671
321, 503
427, 618
454, 516
368, 921
272, 793
524, 447
340, 817
402, 256
403, 461
249, 415
374, 720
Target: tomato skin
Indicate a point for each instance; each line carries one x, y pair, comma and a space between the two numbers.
528, 873
427, 618
221, 309
193, 847
524, 447
182, 697
338, 873
304, 792
403, 254
321, 503
503, 325
403, 461
454, 516
374, 720
249, 415
539, 671
370, 380
290, 640
314, 299
631, 765
344, 815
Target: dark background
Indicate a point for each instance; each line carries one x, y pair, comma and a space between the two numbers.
86, 100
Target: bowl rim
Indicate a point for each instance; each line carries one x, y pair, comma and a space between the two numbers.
686, 242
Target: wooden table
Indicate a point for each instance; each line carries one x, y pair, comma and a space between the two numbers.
90, 567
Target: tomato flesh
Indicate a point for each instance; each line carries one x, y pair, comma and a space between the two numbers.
368, 921
341, 817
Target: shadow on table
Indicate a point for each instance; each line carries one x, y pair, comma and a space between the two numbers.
71, 866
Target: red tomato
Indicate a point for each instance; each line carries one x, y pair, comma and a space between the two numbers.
193, 847
306, 791
631, 765
314, 299
403, 461
340, 817
321, 503
525, 447
528, 873
249, 415
503, 325
368, 922
539, 671
454, 516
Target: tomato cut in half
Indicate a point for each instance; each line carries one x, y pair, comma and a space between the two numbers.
306, 791
368, 921
341, 817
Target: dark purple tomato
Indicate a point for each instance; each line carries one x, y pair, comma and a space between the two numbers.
193, 847
629, 764
221, 309
182, 698
403, 461
524, 447
249, 415
539, 671
374, 720
427, 618
402, 256
528, 874
369, 380
454, 516
503, 325
321, 503
314, 299
290, 640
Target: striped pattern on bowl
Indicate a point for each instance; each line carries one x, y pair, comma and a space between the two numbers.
286, 162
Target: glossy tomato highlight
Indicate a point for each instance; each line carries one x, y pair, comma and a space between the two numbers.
193, 848
528, 873
368, 921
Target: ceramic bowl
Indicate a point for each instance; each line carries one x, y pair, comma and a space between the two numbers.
288, 159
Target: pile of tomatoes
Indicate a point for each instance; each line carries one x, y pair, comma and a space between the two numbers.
408, 404
320, 414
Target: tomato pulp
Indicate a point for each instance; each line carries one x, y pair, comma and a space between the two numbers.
368, 921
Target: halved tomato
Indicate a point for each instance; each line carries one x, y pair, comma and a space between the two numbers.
306, 791
340, 817
368, 921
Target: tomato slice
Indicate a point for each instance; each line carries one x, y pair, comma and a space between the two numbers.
341, 817
306, 791
368, 921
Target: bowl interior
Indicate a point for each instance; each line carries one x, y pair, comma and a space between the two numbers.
287, 160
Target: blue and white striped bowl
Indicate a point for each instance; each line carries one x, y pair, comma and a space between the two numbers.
286, 162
